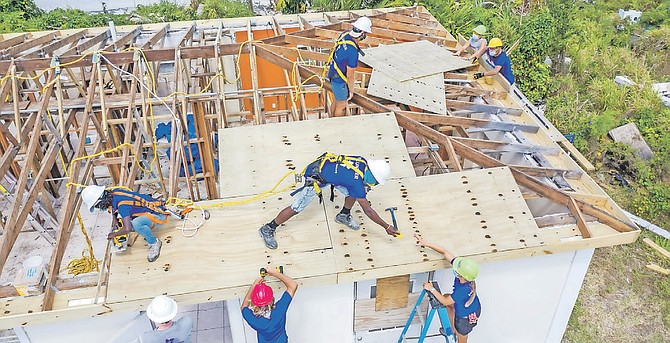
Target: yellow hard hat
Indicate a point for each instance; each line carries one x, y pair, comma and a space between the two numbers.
495, 42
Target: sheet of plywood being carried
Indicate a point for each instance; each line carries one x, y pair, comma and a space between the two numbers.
260, 155
426, 93
412, 60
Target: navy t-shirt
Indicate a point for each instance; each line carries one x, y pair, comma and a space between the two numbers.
346, 56
504, 62
461, 295
273, 329
338, 174
128, 210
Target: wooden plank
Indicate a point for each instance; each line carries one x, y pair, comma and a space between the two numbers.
658, 269
656, 247
128, 38
81, 48
155, 37
15, 50
50, 48
507, 147
469, 122
367, 318
581, 222
576, 155
392, 293
386, 24
6, 43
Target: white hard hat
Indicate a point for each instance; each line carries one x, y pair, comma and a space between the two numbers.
91, 194
364, 24
162, 309
380, 170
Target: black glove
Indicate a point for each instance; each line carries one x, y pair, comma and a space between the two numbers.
479, 75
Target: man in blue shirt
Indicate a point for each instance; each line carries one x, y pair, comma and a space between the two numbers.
351, 176
139, 212
261, 312
500, 60
344, 61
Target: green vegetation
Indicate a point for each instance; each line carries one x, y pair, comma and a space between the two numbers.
23, 15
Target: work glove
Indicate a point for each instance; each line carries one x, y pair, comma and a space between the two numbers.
479, 75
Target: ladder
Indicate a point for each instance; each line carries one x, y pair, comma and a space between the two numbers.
435, 305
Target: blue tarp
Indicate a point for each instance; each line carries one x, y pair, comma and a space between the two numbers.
193, 160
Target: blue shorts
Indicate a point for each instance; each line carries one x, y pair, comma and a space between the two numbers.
306, 195
340, 90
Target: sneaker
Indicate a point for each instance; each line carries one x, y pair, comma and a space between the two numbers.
268, 235
154, 250
346, 219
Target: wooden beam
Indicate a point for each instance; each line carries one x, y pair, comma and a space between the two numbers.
503, 146
4, 44
469, 122
581, 222
156, 37
81, 48
49, 49
16, 49
656, 247
128, 38
483, 108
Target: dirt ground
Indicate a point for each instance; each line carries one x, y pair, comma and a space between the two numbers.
621, 300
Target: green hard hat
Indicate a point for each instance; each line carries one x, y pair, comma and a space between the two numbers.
466, 268
480, 30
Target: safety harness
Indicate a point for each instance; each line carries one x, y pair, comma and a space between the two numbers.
313, 175
340, 41
153, 206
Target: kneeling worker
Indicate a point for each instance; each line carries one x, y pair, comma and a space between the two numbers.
352, 176
139, 212
500, 60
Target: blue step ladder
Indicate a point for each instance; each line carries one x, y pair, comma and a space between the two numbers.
435, 305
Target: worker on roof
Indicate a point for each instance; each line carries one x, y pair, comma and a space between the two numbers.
263, 314
499, 61
477, 42
462, 304
343, 61
138, 212
352, 176
162, 310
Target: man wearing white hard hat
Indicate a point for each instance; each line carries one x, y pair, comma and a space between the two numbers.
352, 176
139, 212
343, 60
162, 311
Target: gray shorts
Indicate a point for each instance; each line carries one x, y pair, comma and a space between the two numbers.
307, 194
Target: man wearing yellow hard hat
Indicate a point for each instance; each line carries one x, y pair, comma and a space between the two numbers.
500, 61
476, 42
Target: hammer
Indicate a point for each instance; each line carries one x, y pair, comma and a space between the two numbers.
395, 224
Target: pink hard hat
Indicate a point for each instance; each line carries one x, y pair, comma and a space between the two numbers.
262, 295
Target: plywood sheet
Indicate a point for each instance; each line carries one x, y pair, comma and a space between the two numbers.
412, 60
254, 158
469, 213
426, 92
367, 318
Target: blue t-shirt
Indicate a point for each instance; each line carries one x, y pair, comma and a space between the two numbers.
338, 174
461, 295
128, 210
346, 56
504, 62
273, 329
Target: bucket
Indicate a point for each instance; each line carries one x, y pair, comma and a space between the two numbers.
30, 279
32, 268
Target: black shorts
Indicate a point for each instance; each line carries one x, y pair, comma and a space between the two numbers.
463, 325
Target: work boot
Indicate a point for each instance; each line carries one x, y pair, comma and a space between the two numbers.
154, 250
348, 220
268, 235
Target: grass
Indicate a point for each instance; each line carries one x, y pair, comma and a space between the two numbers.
621, 300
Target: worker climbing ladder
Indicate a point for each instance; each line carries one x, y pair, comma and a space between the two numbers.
435, 305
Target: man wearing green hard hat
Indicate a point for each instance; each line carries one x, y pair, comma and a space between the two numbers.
462, 304
476, 42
